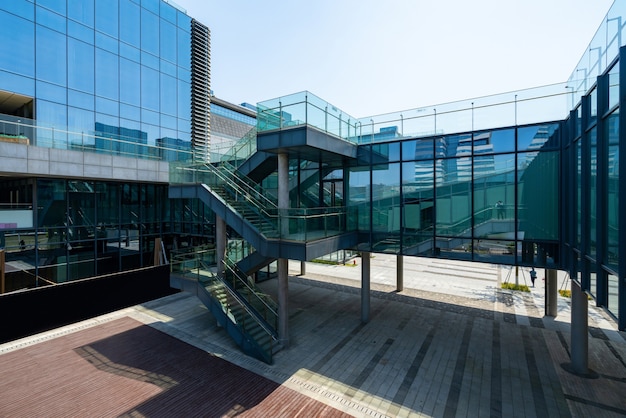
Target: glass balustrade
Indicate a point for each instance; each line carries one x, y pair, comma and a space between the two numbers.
29, 132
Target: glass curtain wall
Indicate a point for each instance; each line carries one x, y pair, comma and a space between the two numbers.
81, 62
85, 228
593, 241
489, 196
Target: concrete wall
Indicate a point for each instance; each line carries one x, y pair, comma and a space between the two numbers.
49, 162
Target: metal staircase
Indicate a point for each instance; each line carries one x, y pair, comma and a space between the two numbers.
247, 314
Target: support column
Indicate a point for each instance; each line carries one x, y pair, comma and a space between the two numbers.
283, 263
302, 268
283, 193
399, 273
283, 302
220, 244
365, 287
579, 327
551, 293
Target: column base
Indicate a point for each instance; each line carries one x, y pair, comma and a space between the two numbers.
589, 374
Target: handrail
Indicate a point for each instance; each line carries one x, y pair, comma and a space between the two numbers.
248, 194
246, 308
228, 264
233, 152
250, 185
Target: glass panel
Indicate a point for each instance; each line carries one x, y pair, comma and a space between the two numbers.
359, 197
386, 207
184, 52
614, 86
130, 89
51, 92
417, 149
22, 8
494, 141
168, 41
81, 32
578, 187
107, 17
167, 94
130, 23
459, 248
539, 137
19, 85
453, 198
593, 183
81, 11
499, 251
494, 198
417, 207
80, 69
52, 115
78, 99
389, 151
107, 74
51, 19
593, 278
149, 89
538, 195
612, 130
106, 106
51, 202
593, 105
149, 32
80, 120
168, 12
107, 43
613, 297
51, 56
184, 102
130, 52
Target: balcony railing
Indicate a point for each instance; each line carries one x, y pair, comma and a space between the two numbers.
27, 131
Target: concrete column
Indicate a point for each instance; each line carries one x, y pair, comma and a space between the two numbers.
283, 192
283, 302
283, 263
551, 292
302, 268
365, 287
220, 244
400, 273
579, 327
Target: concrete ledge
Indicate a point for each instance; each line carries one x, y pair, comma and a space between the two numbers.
23, 159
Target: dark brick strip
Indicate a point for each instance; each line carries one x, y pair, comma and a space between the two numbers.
496, 373
411, 373
533, 372
598, 333
557, 396
333, 351
619, 411
457, 378
375, 360
563, 343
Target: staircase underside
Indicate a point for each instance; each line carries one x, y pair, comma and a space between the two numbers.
291, 246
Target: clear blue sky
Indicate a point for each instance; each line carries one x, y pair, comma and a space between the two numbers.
369, 57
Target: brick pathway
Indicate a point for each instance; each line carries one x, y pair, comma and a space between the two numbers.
469, 349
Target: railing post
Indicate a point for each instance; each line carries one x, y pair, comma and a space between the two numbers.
326, 119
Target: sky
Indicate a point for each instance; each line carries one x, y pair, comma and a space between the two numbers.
370, 57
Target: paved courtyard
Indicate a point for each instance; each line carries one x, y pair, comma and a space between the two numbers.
451, 344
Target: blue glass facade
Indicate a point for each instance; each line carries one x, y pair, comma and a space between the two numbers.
82, 65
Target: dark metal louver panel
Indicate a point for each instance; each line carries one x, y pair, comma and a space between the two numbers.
200, 90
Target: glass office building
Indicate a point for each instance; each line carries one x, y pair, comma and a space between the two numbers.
100, 93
